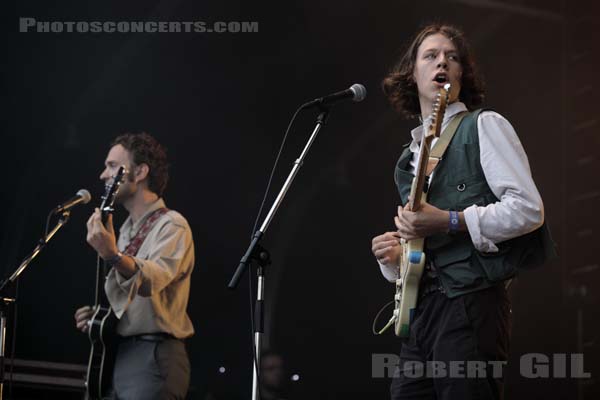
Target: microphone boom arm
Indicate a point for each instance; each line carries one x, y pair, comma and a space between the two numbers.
251, 253
256, 252
64, 218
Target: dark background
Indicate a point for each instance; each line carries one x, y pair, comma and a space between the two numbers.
220, 102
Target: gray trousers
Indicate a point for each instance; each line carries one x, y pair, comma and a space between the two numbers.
150, 368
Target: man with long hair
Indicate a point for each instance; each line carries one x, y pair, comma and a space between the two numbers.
483, 219
149, 283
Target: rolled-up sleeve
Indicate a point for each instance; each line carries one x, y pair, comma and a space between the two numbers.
389, 272
170, 257
520, 209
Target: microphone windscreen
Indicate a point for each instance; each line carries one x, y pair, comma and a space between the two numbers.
360, 92
85, 195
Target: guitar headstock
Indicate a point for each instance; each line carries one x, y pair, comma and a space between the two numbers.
439, 108
110, 192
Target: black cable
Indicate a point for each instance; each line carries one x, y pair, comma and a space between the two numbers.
274, 168
48, 223
14, 317
262, 205
254, 350
14, 314
14, 341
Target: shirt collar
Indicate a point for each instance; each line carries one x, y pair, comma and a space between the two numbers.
129, 225
417, 133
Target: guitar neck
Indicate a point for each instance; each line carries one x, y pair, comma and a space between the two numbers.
433, 131
416, 192
102, 269
108, 200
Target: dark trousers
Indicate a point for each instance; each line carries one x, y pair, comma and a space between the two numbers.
456, 347
150, 367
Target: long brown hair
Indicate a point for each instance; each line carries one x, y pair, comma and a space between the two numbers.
401, 89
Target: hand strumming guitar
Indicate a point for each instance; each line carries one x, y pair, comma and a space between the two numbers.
82, 317
386, 248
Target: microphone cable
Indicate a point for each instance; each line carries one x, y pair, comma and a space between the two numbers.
274, 168
260, 209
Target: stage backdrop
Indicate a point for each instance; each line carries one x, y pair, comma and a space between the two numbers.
221, 102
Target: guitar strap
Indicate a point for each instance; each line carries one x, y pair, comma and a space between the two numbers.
134, 246
442, 143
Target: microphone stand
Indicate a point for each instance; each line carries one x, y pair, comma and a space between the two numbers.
257, 253
6, 301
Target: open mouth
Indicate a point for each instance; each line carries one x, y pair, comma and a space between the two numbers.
441, 78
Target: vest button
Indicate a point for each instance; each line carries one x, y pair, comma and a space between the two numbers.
461, 187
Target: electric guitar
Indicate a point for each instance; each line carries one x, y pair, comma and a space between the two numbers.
103, 324
412, 257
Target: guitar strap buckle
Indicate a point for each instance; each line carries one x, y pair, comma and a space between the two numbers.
431, 164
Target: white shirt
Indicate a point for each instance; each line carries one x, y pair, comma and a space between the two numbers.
507, 172
155, 298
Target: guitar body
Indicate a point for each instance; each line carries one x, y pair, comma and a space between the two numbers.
412, 264
103, 337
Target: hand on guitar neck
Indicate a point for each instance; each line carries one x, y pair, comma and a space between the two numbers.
427, 221
103, 239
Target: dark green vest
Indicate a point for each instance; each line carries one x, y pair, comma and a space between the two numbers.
458, 183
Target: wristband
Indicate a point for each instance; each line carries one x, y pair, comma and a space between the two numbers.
453, 222
114, 259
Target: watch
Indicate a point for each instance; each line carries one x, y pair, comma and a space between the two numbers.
114, 259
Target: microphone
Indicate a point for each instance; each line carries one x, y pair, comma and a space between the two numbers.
82, 196
356, 92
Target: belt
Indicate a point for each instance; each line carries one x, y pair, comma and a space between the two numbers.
430, 282
430, 285
150, 337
